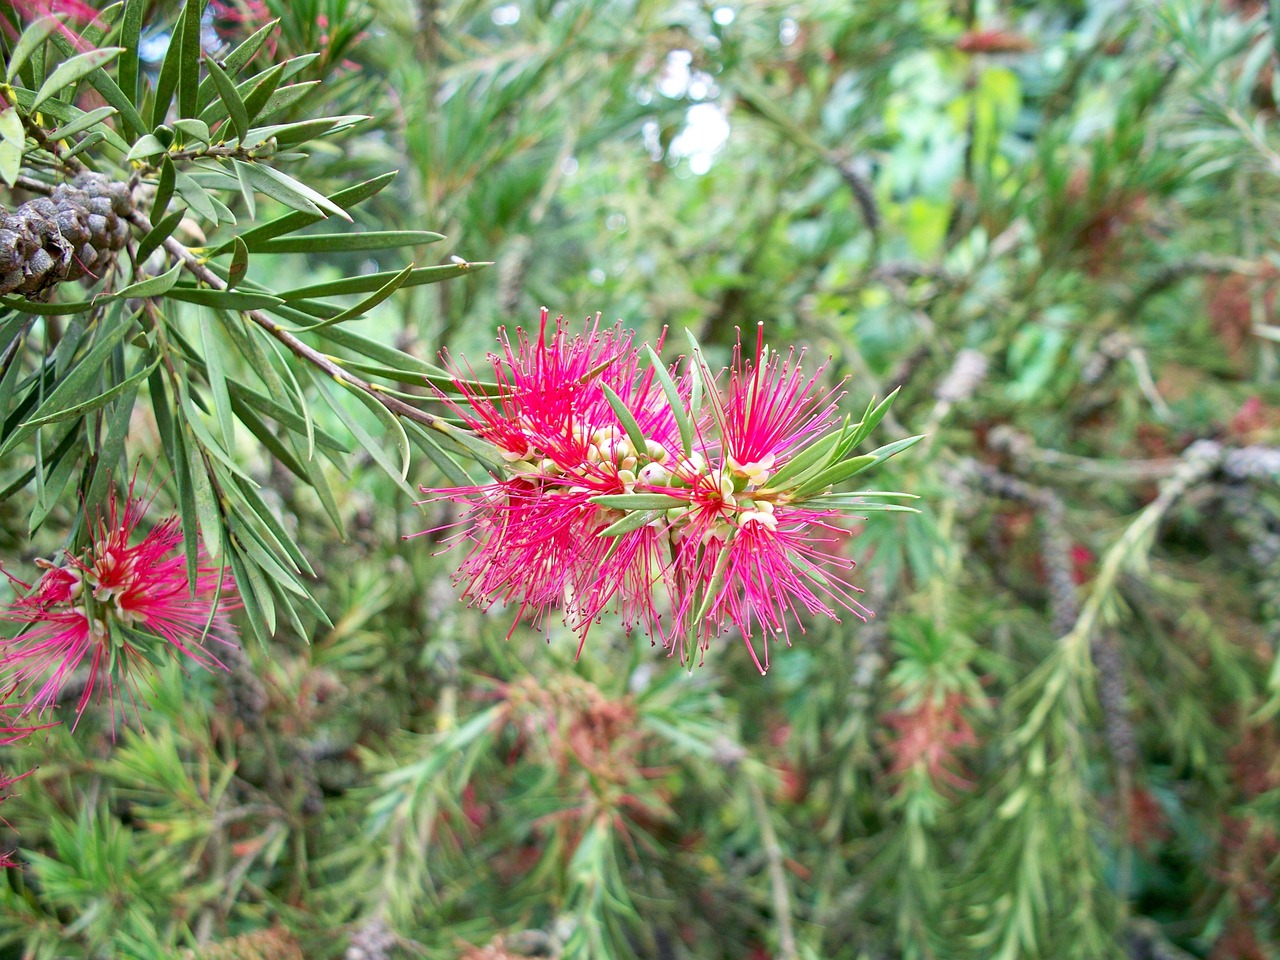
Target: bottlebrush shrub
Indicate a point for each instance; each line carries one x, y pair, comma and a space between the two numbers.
114, 609
684, 500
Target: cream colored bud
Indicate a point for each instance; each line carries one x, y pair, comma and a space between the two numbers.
654, 474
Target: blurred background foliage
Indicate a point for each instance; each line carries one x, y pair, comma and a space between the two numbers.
1050, 223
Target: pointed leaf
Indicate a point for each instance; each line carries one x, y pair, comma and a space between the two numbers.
130, 34
348, 197
345, 242
223, 299
239, 264
158, 235
230, 98
683, 422
367, 304
290, 191
28, 43
148, 145
81, 123
372, 281
72, 71
638, 501
152, 286
633, 521
237, 60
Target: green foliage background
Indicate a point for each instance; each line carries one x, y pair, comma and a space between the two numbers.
1050, 223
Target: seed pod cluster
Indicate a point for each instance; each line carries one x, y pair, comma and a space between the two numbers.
72, 233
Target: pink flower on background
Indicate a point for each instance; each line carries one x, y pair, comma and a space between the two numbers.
614, 500
114, 609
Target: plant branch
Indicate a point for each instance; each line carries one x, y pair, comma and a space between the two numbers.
299, 349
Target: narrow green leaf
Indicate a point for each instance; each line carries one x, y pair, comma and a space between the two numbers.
837, 473
261, 555
282, 415
71, 72
239, 264
286, 97
195, 195
638, 501
626, 418
273, 444
152, 286
320, 484
300, 131
447, 465
264, 86
81, 123
300, 403
86, 143
160, 232
257, 177
45, 309
365, 439
267, 517
31, 39
372, 281
289, 191
164, 188
10, 160
345, 242
107, 88
112, 452
873, 417
189, 64
217, 381
230, 98
634, 520
206, 504
289, 222
130, 33
683, 422
248, 596
77, 385
187, 512
193, 129
890, 449
367, 304
166, 84
812, 455
52, 484
93, 403
237, 60
223, 299
148, 145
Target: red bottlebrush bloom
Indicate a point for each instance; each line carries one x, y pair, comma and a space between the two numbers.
607, 505
769, 409
928, 737
106, 608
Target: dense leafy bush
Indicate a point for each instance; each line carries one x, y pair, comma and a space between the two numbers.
1048, 226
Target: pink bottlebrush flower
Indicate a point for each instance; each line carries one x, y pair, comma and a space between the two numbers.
584, 428
113, 609
769, 408
762, 566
